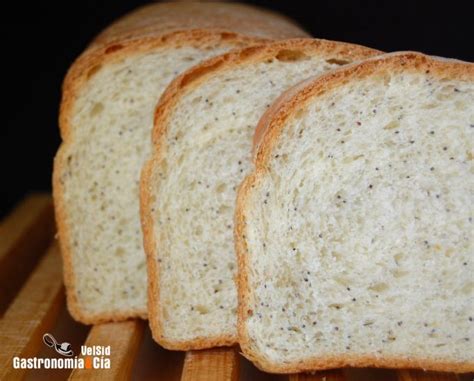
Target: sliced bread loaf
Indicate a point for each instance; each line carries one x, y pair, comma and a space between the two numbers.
354, 232
106, 120
202, 150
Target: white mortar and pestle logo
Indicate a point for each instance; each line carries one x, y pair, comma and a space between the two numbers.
64, 349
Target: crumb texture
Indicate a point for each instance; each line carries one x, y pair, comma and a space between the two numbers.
359, 233
208, 152
100, 169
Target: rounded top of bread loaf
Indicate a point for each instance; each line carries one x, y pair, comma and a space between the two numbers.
155, 26
166, 18
289, 50
294, 99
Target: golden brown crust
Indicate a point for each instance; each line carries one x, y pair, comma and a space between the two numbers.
180, 86
271, 126
241, 250
156, 26
167, 18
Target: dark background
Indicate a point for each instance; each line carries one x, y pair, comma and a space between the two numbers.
41, 39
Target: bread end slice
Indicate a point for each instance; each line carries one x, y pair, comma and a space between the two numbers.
315, 290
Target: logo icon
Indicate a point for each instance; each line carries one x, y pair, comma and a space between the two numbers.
64, 349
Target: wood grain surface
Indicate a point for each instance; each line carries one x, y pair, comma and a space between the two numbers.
24, 236
211, 365
124, 339
419, 375
32, 313
327, 375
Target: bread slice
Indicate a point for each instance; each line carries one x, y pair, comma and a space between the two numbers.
354, 232
106, 120
203, 137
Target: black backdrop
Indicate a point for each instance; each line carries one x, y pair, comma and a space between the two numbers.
41, 39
